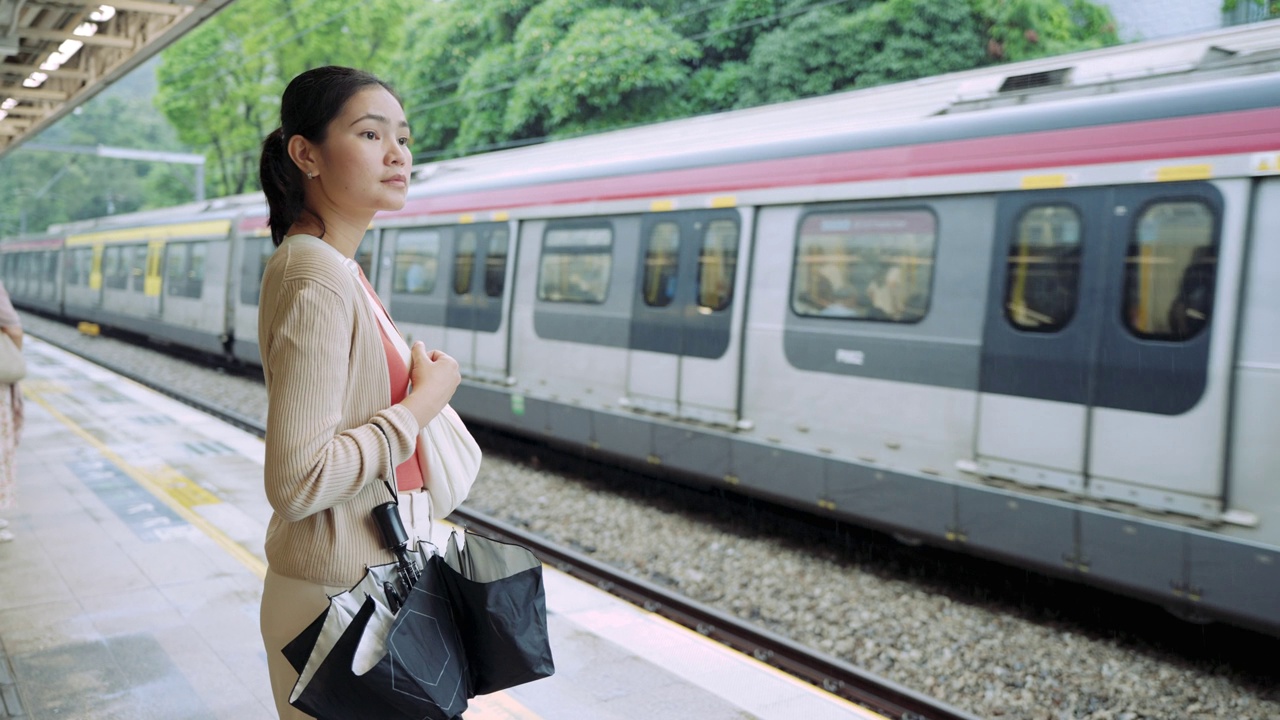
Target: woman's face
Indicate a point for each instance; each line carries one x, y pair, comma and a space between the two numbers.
364, 161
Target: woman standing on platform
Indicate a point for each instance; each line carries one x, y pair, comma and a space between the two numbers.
10, 416
339, 416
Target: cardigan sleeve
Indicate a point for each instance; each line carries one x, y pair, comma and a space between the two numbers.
310, 465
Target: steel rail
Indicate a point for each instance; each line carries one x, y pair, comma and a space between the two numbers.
831, 674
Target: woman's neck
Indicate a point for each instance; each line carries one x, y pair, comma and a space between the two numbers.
340, 230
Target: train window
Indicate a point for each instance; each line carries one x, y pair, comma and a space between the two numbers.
252, 266
184, 269
115, 274
1170, 270
136, 256
51, 266
871, 265
79, 263
1043, 271
364, 256
464, 261
661, 264
575, 266
417, 262
495, 263
717, 263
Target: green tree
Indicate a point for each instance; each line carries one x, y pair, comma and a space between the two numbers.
221, 86
1025, 29
444, 40
613, 67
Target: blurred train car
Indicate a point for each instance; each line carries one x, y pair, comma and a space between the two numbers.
1027, 312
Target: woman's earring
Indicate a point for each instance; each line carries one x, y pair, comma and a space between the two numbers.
311, 176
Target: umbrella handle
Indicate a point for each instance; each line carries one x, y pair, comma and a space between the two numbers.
387, 517
394, 601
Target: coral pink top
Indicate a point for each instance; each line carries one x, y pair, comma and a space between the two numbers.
409, 475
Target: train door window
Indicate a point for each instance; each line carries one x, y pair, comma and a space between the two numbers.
252, 267
495, 262
661, 264
115, 273
575, 265
82, 265
417, 262
464, 261
136, 259
871, 265
24, 272
717, 263
1169, 271
184, 269
79, 264
364, 256
1042, 282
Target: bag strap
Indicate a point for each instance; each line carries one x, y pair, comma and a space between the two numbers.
392, 482
384, 318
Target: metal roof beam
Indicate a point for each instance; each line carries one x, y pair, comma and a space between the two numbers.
145, 6
62, 72
59, 36
34, 93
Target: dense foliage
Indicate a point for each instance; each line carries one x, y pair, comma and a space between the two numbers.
476, 75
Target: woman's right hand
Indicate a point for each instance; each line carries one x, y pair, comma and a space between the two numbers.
434, 377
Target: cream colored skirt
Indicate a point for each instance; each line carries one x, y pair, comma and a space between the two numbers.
289, 606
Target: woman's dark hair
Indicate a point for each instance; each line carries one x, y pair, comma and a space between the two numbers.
312, 100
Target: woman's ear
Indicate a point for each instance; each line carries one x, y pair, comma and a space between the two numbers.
303, 154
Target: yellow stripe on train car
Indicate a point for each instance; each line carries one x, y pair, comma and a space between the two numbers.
155, 233
152, 283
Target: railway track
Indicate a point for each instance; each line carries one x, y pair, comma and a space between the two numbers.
835, 676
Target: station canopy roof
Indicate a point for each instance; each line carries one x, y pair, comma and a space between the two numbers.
59, 53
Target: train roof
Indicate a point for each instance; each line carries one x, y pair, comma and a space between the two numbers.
862, 118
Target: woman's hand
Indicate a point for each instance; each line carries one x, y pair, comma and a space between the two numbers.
434, 377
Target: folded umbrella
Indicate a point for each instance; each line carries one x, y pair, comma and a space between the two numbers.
418, 637
500, 606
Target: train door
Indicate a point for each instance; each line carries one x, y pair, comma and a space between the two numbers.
682, 317
1095, 364
473, 311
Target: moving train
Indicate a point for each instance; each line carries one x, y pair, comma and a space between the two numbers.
1029, 312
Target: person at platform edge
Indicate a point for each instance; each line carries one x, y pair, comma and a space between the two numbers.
10, 417
340, 414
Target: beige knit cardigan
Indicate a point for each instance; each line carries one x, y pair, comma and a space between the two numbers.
328, 393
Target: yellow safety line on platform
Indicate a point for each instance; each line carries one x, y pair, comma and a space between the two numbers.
170, 490
498, 707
